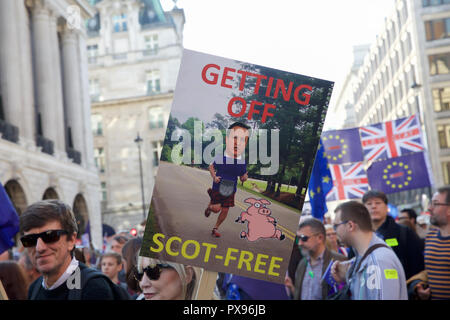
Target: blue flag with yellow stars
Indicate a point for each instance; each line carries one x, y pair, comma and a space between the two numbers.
342, 146
9, 221
399, 174
320, 184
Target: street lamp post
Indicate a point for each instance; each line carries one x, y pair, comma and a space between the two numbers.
138, 141
416, 87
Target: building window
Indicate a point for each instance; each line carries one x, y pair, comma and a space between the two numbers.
94, 89
412, 76
99, 158
153, 82
429, 3
151, 45
92, 53
96, 123
104, 192
444, 136
156, 118
120, 23
437, 29
446, 171
439, 63
441, 99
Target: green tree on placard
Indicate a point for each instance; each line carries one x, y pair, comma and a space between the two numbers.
172, 125
219, 122
299, 125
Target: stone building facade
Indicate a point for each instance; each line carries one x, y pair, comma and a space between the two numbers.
134, 52
407, 71
46, 149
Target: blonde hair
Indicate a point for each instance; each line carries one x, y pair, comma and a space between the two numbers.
188, 289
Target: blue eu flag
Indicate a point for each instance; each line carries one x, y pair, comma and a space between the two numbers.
320, 184
9, 221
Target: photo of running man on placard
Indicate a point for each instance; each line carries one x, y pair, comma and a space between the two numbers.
225, 170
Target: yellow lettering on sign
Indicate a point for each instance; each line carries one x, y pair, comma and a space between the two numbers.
245, 257
260, 263
273, 265
208, 246
196, 251
160, 245
229, 257
168, 245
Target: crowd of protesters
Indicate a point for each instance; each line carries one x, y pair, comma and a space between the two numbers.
361, 254
384, 258
364, 254
52, 267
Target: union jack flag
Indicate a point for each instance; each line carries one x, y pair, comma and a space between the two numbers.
391, 139
349, 181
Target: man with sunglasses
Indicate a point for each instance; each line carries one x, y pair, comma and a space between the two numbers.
316, 259
375, 273
49, 233
437, 250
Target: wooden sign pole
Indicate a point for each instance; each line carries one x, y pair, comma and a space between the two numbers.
3, 295
206, 285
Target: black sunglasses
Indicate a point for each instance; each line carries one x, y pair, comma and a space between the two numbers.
305, 238
49, 236
153, 273
335, 226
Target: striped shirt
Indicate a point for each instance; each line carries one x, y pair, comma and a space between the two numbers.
437, 264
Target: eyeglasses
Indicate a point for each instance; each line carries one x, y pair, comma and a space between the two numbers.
153, 273
49, 236
435, 204
305, 238
335, 226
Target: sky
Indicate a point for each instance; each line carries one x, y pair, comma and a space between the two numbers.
310, 37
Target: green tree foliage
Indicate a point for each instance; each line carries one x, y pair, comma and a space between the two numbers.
299, 125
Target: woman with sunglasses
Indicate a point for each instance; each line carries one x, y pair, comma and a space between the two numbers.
162, 280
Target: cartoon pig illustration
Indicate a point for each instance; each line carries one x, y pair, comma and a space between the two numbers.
260, 223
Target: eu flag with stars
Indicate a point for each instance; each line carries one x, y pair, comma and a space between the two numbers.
399, 174
9, 221
342, 146
320, 184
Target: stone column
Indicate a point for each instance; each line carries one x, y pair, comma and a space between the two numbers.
88, 142
28, 128
72, 86
10, 85
60, 143
45, 75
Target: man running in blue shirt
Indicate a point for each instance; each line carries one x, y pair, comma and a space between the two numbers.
224, 170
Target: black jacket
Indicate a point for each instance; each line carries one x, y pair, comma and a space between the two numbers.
409, 249
95, 289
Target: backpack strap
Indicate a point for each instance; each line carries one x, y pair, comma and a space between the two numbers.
86, 274
36, 289
369, 251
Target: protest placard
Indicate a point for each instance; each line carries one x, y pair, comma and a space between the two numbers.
239, 148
